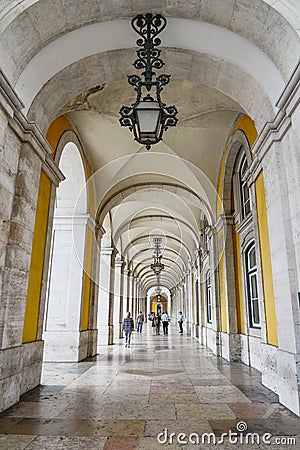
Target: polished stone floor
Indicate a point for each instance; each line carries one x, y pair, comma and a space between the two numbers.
135, 398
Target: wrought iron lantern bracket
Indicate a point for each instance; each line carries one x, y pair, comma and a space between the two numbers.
148, 27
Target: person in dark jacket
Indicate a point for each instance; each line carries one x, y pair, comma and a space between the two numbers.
127, 327
157, 321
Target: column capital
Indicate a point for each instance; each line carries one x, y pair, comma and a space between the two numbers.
119, 261
108, 251
99, 231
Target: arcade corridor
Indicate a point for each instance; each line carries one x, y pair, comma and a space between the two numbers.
123, 398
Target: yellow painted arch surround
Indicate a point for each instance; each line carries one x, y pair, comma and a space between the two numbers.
58, 127
246, 125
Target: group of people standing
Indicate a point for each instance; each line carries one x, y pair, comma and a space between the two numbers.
156, 319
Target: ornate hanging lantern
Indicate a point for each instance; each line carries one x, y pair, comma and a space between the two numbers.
148, 117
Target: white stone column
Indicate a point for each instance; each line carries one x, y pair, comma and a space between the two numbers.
118, 297
188, 301
126, 291
106, 298
130, 292
199, 296
213, 329
230, 341
134, 299
63, 313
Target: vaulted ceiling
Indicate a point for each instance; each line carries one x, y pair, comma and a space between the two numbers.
226, 58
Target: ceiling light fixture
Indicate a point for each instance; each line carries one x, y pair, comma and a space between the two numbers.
148, 117
157, 265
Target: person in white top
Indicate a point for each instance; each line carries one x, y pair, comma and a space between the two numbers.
180, 321
165, 321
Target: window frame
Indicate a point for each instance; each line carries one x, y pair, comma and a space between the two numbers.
252, 274
245, 202
208, 297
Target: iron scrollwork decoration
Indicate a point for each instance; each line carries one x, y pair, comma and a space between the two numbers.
148, 117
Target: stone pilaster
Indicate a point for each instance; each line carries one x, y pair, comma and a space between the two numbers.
126, 291
63, 339
118, 297
106, 297
277, 154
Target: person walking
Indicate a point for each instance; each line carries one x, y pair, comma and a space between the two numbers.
153, 322
180, 321
127, 327
165, 322
157, 323
140, 320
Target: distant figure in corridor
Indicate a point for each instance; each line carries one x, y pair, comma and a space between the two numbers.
153, 322
180, 321
157, 321
139, 321
127, 327
165, 322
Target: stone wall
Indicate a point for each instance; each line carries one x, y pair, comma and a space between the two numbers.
23, 152
277, 154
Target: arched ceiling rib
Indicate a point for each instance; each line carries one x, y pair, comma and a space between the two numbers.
166, 260
148, 261
179, 255
158, 219
146, 269
145, 239
230, 16
117, 197
199, 37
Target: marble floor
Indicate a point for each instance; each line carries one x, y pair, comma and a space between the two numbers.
163, 392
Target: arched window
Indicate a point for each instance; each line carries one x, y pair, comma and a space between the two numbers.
252, 290
245, 192
208, 297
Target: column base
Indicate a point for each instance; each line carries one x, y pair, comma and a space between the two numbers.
105, 336
67, 346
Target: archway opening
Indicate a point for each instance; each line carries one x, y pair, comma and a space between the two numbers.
65, 275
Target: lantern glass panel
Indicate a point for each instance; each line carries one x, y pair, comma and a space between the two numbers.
148, 118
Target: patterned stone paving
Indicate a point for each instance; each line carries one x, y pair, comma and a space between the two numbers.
125, 398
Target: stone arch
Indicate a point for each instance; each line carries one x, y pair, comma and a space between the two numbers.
237, 141
65, 280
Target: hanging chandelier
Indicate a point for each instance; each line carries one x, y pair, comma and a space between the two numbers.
148, 117
157, 265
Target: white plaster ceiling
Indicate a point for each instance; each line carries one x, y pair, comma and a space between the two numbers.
206, 117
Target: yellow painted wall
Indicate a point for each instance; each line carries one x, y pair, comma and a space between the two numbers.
56, 130
87, 281
37, 260
223, 298
163, 301
240, 307
246, 125
263, 228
